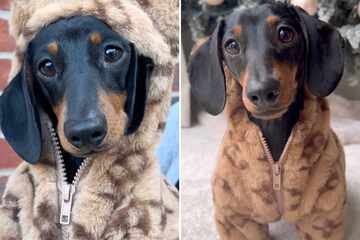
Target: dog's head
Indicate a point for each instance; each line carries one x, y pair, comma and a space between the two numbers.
272, 51
91, 82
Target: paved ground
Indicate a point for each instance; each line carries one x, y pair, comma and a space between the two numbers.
199, 149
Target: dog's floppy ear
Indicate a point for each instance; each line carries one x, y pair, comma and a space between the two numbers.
324, 64
20, 122
206, 73
138, 82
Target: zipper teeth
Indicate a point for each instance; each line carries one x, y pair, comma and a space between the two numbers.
266, 147
287, 145
277, 165
58, 154
80, 171
60, 159
61, 166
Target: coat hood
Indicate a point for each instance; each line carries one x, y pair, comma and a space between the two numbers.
151, 25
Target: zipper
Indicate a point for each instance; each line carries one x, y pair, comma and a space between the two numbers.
277, 177
277, 168
67, 190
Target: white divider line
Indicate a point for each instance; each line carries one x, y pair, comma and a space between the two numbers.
5, 14
6, 172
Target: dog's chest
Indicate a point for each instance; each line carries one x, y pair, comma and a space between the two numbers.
254, 184
94, 215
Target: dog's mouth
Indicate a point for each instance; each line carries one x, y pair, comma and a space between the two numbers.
269, 114
85, 152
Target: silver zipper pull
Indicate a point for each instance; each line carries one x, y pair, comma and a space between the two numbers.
67, 194
277, 177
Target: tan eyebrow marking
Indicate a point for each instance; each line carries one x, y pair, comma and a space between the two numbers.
272, 20
95, 38
53, 48
237, 30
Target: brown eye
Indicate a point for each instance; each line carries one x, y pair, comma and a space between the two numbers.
286, 34
47, 68
232, 47
112, 54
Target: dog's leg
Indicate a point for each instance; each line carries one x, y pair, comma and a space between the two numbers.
321, 226
241, 229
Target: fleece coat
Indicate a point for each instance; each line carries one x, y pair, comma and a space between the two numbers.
120, 193
305, 187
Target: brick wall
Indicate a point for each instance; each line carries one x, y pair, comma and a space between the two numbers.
8, 158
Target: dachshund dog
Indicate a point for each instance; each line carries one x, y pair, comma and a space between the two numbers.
82, 77
81, 92
271, 67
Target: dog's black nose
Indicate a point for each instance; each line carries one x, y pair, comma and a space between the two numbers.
86, 133
263, 93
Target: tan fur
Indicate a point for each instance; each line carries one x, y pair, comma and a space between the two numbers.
313, 185
286, 74
272, 20
60, 112
244, 80
237, 31
121, 194
113, 107
53, 48
95, 38
117, 101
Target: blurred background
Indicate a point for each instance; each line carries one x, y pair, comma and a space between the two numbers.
202, 133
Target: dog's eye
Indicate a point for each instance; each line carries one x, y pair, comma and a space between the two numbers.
112, 54
286, 34
47, 68
232, 47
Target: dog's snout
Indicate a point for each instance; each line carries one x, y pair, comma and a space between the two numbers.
263, 93
87, 133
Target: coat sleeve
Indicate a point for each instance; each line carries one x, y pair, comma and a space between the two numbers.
9, 207
9, 227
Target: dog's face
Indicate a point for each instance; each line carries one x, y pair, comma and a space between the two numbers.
269, 50
264, 49
88, 79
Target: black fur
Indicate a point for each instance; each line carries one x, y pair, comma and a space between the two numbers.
20, 118
138, 86
207, 75
325, 54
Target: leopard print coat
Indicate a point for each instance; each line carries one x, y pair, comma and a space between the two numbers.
305, 187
